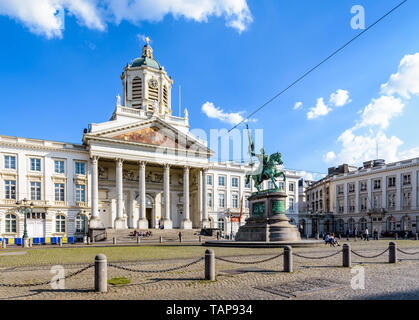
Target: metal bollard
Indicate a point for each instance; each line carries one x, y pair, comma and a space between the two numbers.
3, 243
416, 236
392, 252
114, 240
180, 238
138, 239
101, 273
161, 239
210, 265
60, 241
346, 259
288, 263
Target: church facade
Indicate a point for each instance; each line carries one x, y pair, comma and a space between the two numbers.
142, 169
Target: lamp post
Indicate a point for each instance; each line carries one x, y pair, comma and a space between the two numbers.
25, 207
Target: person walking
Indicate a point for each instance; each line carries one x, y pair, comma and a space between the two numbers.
366, 234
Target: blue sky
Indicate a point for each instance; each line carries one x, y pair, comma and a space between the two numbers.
234, 55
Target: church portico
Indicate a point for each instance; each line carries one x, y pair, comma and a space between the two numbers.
143, 195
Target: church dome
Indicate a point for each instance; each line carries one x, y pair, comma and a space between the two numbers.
146, 59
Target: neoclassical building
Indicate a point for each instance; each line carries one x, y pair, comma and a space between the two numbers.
377, 195
141, 169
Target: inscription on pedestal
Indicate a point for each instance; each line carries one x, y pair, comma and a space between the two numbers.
278, 207
258, 209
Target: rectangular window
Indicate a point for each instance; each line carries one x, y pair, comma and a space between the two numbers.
291, 204
406, 199
10, 162
221, 181
234, 182
291, 187
363, 186
221, 200
59, 166
377, 184
35, 164
59, 192
235, 201
391, 182
35, 191
10, 189
80, 168
80, 193
406, 179
209, 180
281, 186
351, 188
209, 200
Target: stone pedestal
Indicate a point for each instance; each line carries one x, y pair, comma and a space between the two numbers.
142, 224
168, 224
120, 223
187, 224
267, 221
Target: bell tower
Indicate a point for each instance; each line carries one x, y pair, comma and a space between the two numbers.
146, 85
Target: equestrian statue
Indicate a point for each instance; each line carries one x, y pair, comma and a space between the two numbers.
267, 169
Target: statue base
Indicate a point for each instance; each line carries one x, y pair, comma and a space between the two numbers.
267, 221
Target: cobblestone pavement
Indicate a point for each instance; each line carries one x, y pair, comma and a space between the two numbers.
311, 279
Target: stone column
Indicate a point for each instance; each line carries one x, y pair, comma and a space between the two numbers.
414, 189
205, 221
142, 221
346, 198
119, 221
186, 223
167, 221
200, 195
399, 181
370, 200
95, 221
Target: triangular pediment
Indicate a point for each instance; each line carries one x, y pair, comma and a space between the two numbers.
152, 133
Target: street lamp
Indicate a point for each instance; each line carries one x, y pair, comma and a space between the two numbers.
26, 208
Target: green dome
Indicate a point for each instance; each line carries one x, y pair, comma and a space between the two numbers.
138, 62
146, 59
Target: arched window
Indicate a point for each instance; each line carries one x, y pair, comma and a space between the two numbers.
166, 98
221, 224
363, 224
137, 91
60, 223
351, 225
391, 224
340, 226
81, 224
406, 223
10, 223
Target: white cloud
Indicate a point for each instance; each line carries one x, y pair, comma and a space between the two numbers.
217, 113
329, 157
359, 148
298, 105
406, 81
321, 109
340, 98
39, 16
380, 111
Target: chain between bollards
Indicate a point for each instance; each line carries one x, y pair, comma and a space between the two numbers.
101, 273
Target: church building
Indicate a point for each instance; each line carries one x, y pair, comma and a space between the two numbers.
142, 169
